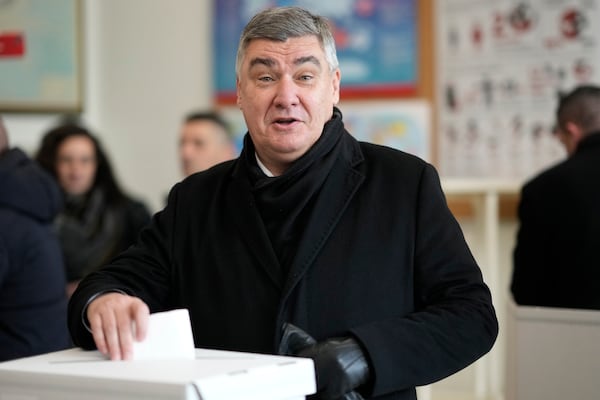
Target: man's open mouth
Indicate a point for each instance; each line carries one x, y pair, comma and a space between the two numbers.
285, 121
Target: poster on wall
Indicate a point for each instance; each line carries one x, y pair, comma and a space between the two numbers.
39, 55
375, 40
501, 67
399, 124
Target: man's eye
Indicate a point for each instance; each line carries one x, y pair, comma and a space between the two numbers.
306, 77
265, 79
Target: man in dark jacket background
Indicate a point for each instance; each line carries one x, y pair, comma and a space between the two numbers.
33, 302
556, 258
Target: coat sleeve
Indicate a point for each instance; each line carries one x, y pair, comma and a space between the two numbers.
143, 270
453, 322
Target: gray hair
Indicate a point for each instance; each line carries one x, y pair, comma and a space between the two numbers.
281, 23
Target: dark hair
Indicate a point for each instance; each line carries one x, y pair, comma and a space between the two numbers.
580, 106
209, 116
104, 179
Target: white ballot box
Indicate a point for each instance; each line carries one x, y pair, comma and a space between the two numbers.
213, 375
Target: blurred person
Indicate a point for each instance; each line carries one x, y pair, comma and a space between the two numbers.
33, 304
310, 243
556, 258
99, 220
205, 140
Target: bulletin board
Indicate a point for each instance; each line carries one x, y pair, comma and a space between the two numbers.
376, 43
40, 68
501, 66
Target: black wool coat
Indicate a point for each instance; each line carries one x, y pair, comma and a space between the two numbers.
381, 258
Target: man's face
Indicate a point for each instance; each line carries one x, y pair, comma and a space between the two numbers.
76, 165
286, 92
202, 144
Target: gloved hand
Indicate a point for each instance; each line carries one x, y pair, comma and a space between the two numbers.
339, 362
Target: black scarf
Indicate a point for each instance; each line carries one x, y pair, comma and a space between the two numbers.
286, 202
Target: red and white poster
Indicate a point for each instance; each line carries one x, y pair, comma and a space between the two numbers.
502, 66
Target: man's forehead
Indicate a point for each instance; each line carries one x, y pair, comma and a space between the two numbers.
297, 47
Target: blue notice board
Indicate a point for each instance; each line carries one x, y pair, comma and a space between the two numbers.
376, 43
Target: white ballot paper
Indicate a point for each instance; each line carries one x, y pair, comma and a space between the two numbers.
169, 337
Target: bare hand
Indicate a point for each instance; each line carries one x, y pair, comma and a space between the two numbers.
116, 321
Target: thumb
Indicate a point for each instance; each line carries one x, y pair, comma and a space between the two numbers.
352, 396
294, 339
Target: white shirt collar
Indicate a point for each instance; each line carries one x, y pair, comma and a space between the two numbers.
263, 167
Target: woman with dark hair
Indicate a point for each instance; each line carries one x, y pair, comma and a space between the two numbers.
99, 220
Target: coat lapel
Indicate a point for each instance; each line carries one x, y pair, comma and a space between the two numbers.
337, 191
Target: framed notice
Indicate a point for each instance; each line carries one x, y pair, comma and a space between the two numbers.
40, 67
376, 43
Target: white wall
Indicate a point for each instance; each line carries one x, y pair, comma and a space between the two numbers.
147, 63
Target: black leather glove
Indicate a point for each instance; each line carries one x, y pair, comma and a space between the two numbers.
340, 363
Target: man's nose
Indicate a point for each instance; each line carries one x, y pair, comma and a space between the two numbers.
186, 150
74, 165
287, 94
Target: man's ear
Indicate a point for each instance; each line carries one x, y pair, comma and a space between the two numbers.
336, 78
574, 131
238, 91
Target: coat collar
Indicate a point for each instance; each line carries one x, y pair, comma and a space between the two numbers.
331, 202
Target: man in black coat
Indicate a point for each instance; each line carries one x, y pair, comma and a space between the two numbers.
310, 243
33, 300
556, 258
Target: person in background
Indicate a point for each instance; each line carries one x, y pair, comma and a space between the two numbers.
556, 262
309, 244
205, 140
99, 220
33, 304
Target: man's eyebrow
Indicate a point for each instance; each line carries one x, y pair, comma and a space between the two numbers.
269, 62
307, 59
